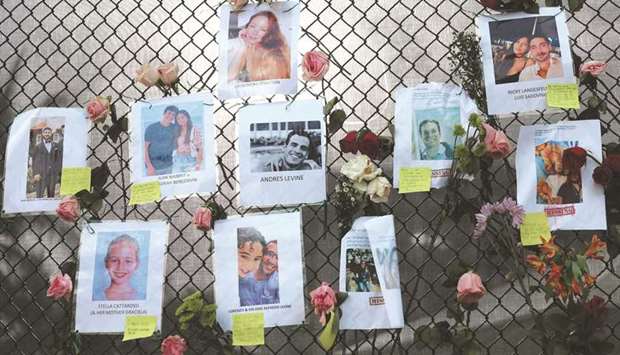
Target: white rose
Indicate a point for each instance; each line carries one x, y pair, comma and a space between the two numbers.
379, 190
147, 75
360, 168
360, 186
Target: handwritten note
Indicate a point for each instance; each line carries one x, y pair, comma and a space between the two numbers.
145, 192
73, 180
414, 180
563, 95
248, 329
534, 226
137, 327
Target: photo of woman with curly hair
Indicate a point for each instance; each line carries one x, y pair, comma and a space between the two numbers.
260, 50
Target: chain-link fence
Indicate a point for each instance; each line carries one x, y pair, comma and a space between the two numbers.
63, 52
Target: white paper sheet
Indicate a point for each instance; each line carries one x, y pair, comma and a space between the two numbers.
273, 248
281, 150
187, 173
102, 301
25, 150
369, 274
425, 118
271, 76
539, 159
529, 92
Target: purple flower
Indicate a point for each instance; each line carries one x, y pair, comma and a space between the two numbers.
507, 205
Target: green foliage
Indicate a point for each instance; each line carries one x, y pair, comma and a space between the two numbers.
465, 60
194, 307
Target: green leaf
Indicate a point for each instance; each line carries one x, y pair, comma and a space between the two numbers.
581, 261
99, 176
576, 270
553, 2
463, 336
330, 106
472, 349
207, 315
575, 5
602, 347
336, 119
341, 297
330, 331
427, 336
557, 322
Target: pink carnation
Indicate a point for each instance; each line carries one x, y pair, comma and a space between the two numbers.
323, 300
173, 345
60, 286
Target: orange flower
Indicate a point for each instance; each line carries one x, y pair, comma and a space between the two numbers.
575, 287
555, 273
549, 248
536, 263
595, 247
589, 280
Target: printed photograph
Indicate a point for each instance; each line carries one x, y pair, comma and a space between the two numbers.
361, 271
257, 265
173, 138
387, 264
45, 157
555, 184
259, 45
434, 133
121, 266
285, 146
525, 49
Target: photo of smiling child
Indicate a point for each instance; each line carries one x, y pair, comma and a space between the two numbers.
124, 274
121, 273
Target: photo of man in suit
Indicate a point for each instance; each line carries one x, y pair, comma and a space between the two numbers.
46, 161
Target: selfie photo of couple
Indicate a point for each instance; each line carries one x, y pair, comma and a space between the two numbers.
172, 138
257, 263
526, 49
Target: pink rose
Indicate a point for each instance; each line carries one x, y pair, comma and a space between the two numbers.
469, 288
315, 64
323, 300
202, 218
98, 109
147, 75
68, 209
173, 345
168, 73
60, 286
496, 142
594, 67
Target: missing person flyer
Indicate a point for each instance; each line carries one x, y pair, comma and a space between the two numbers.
521, 54
258, 267
282, 153
547, 183
369, 274
424, 128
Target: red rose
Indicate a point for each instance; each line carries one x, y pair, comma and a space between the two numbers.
602, 175
203, 218
491, 4
573, 159
368, 143
348, 144
612, 161
60, 287
173, 345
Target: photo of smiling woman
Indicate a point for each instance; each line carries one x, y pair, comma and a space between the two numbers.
121, 267
257, 264
258, 50
435, 139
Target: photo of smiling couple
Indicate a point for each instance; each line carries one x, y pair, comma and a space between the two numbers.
257, 265
173, 139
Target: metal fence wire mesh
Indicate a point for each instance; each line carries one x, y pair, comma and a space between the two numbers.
63, 52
